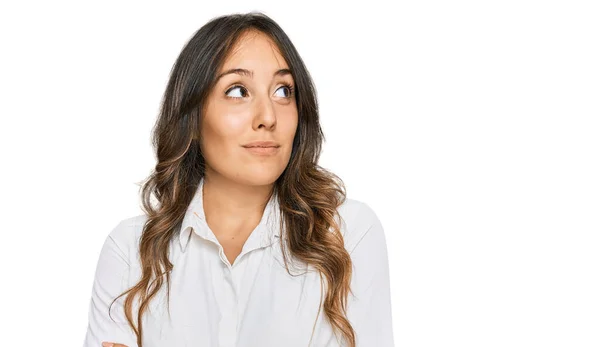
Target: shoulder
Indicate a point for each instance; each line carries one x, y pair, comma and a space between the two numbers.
126, 235
358, 218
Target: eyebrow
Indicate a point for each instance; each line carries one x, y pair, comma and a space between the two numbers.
248, 73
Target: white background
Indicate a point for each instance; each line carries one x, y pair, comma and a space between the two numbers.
471, 127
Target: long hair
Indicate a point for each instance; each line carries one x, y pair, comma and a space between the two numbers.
308, 195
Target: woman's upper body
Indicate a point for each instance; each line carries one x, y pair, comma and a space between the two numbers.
240, 116
252, 302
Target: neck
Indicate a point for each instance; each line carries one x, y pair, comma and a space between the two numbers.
230, 206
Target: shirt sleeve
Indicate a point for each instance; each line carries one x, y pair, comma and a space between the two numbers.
370, 310
110, 280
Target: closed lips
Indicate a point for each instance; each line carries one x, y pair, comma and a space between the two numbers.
261, 144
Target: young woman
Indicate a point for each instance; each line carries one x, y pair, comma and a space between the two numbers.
251, 243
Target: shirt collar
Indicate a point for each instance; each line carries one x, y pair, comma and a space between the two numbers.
267, 231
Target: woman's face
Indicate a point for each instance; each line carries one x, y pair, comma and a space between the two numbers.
244, 108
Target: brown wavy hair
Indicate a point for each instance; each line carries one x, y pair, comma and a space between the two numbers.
308, 195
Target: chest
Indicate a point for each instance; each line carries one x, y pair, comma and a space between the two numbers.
232, 243
232, 248
256, 302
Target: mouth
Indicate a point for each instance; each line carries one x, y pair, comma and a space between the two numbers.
264, 151
260, 146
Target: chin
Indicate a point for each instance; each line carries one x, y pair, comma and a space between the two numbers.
259, 177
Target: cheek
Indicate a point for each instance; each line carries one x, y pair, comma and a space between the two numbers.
222, 135
288, 126
233, 124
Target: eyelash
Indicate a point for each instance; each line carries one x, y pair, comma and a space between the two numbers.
288, 85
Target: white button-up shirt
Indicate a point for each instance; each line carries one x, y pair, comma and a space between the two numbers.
253, 302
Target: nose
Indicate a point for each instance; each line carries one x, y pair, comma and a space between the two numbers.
265, 114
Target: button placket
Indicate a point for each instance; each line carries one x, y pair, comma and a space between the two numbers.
223, 257
229, 314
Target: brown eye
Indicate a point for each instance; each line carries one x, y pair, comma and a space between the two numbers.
234, 88
290, 89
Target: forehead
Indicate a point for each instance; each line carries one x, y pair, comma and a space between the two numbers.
254, 50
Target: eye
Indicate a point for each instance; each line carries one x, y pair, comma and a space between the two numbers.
290, 89
234, 88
